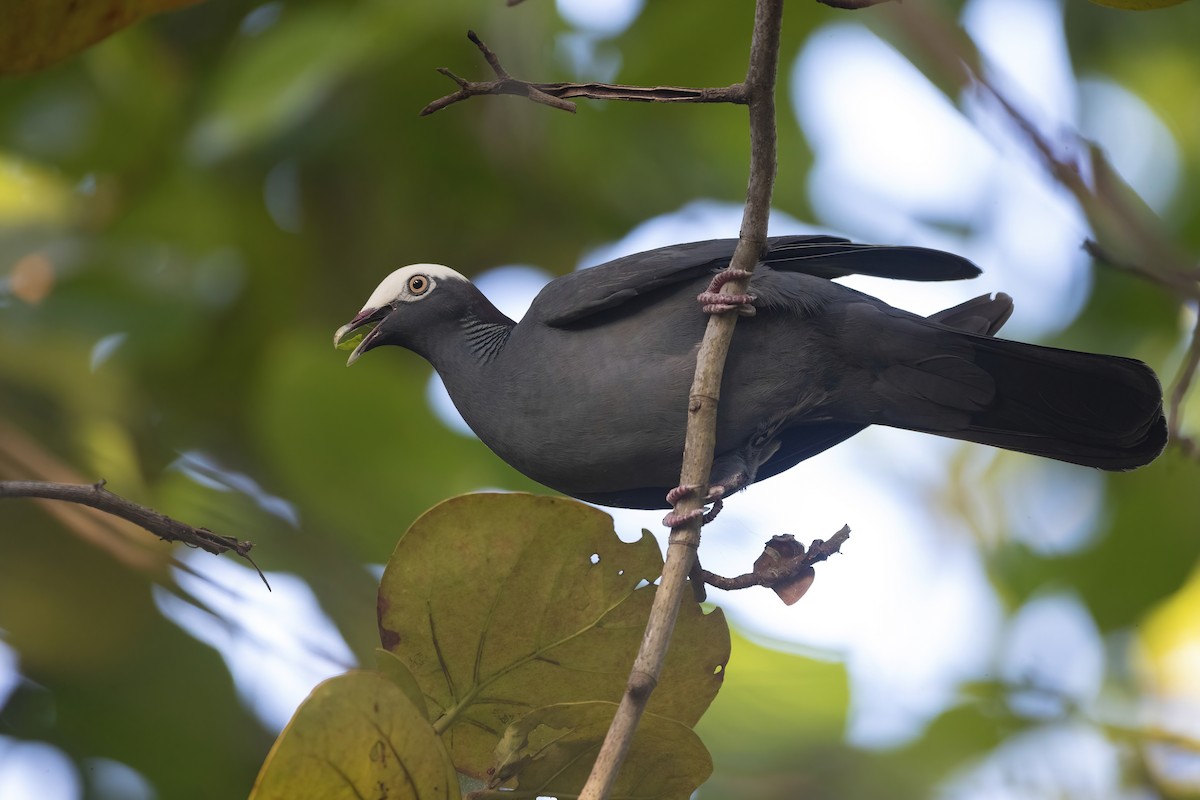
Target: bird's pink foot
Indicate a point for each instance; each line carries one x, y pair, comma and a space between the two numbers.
713, 302
715, 493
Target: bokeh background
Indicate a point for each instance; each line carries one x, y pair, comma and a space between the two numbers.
189, 209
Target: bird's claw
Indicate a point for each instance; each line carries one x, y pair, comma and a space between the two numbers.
717, 303
713, 302
715, 493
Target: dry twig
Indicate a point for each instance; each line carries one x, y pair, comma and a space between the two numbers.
556, 95
784, 566
164, 527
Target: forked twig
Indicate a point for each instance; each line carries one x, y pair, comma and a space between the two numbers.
556, 95
784, 566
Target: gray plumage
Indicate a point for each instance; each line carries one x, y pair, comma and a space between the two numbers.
588, 393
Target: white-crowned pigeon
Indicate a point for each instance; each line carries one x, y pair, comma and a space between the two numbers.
587, 394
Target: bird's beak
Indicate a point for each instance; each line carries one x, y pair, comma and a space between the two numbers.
346, 333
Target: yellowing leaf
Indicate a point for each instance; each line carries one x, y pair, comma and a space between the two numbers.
394, 670
502, 603
357, 736
37, 33
551, 750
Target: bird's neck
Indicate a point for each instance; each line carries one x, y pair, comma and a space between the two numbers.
464, 348
485, 338
468, 340
467, 361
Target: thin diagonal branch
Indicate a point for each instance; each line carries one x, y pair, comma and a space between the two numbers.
1179, 283
164, 527
556, 95
702, 403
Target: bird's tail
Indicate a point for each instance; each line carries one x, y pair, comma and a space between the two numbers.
1095, 410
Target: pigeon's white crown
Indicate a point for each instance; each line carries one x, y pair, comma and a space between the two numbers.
395, 286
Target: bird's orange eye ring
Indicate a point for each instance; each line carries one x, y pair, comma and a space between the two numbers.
419, 284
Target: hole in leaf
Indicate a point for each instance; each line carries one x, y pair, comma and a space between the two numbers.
595, 558
718, 669
620, 572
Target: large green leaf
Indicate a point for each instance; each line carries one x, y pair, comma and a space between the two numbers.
551, 752
503, 603
357, 736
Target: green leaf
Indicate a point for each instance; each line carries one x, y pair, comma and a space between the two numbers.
503, 603
394, 670
357, 735
551, 751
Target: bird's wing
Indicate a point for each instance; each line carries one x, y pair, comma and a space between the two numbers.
572, 298
829, 257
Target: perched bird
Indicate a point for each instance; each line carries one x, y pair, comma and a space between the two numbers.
587, 394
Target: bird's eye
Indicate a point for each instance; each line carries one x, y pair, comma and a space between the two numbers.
418, 284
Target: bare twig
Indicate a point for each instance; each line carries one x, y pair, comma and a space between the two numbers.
1177, 282
555, 94
702, 403
164, 527
784, 566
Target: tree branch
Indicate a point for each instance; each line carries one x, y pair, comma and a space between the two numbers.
759, 88
555, 94
164, 527
1179, 283
784, 566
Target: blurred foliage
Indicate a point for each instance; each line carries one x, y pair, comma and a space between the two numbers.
191, 207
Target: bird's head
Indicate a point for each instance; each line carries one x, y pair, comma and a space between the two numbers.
410, 300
